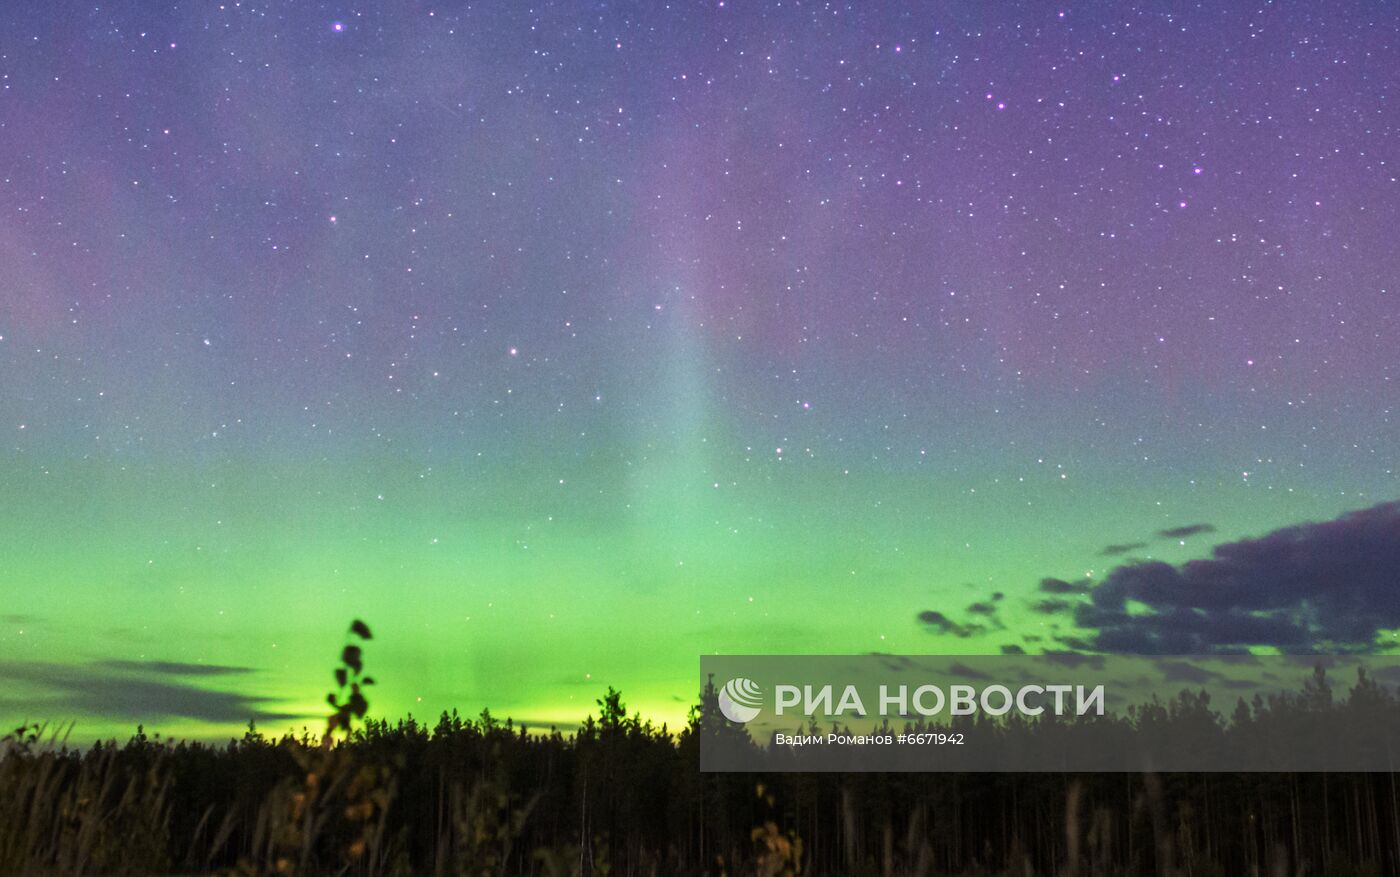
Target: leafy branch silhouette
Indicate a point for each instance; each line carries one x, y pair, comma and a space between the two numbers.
348, 700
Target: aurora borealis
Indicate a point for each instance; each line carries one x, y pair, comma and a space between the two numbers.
566, 342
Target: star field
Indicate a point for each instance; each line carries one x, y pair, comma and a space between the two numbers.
564, 342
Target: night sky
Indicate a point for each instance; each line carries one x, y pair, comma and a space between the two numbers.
566, 342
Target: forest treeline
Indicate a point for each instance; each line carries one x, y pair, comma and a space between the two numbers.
620, 795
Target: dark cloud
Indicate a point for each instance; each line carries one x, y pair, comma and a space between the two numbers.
1075, 644
108, 689
175, 668
985, 610
1122, 548
1314, 587
941, 623
1073, 660
1060, 586
1181, 671
963, 671
1012, 649
1052, 606
1188, 530
893, 663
